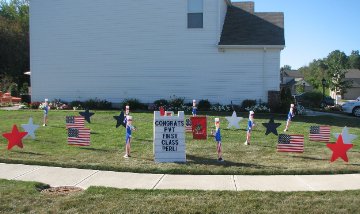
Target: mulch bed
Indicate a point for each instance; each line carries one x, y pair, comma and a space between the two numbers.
65, 190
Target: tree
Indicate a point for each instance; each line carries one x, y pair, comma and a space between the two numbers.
286, 68
282, 71
354, 60
337, 63
14, 40
315, 72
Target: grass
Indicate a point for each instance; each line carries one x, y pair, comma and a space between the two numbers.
22, 197
107, 146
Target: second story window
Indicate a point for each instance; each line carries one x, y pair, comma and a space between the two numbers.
195, 14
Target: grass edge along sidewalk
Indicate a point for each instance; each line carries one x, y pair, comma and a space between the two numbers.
21, 197
107, 147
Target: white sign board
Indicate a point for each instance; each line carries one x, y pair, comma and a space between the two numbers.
169, 138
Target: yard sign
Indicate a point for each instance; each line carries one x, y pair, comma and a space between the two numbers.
169, 138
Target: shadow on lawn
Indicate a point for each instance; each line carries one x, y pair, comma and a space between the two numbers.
321, 120
207, 161
95, 149
29, 153
308, 158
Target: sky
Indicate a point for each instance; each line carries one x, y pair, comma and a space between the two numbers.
314, 28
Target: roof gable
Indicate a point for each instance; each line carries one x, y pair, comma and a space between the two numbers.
245, 28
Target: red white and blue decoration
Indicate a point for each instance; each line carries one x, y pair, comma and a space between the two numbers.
339, 149
347, 138
234, 121
271, 127
14, 138
188, 125
75, 122
30, 128
79, 136
319, 133
290, 143
87, 115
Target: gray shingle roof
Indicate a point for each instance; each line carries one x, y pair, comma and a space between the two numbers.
245, 28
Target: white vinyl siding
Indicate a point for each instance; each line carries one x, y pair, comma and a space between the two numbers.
113, 50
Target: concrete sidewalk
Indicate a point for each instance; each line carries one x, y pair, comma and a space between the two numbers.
55, 176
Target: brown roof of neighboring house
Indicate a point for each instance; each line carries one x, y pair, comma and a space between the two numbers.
356, 83
352, 73
293, 73
242, 27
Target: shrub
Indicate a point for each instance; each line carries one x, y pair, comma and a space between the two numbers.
25, 88
259, 108
161, 102
13, 89
218, 107
333, 108
59, 105
76, 104
34, 105
23, 106
134, 104
97, 104
285, 100
248, 103
204, 105
311, 99
176, 103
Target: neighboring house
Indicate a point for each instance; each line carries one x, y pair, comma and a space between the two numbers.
294, 79
353, 92
117, 49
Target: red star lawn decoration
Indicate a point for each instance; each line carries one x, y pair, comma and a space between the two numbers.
15, 137
339, 149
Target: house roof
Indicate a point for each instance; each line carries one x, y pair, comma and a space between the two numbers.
352, 74
242, 27
294, 74
356, 83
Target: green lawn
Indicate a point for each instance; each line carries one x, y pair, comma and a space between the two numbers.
107, 146
22, 197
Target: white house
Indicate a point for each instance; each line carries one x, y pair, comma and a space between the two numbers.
117, 49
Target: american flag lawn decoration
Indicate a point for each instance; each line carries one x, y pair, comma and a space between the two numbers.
188, 126
319, 133
79, 136
290, 143
75, 122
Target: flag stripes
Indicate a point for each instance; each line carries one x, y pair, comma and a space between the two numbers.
75, 122
188, 126
290, 143
79, 136
319, 133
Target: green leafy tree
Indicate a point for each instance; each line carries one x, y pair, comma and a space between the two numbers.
315, 72
354, 60
337, 63
14, 40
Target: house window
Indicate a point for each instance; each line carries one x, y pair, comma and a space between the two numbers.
195, 14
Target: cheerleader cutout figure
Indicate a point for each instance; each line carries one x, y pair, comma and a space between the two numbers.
129, 129
289, 117
217, 136
127, 112
250, 126
194, 108
46, 112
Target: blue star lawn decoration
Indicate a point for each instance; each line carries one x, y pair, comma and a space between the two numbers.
30, 128
120, 120
87, 114
271, 127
